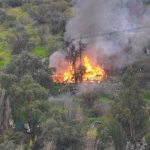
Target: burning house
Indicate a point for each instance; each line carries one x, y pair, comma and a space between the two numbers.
80, 72
80, 67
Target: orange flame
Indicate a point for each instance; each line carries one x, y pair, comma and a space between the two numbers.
92, 73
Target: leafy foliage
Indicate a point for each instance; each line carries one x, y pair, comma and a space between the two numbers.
13, 3
24, 64
19, 43
54, 13
130, 109
109, 131
65, 136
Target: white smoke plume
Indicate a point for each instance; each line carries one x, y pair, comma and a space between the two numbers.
57, 60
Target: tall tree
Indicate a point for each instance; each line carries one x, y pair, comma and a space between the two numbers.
6, 80
130, 108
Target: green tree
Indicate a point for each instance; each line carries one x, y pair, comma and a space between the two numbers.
117, 134
23, 64
4, 17
7, 80
27, 63
14, 3
29, 104
19, 42
23, 94
53, 13
143, 71
7, 145
130, 108
66, 136
147, 136
110, 131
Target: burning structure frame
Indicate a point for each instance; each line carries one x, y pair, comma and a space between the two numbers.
80, 67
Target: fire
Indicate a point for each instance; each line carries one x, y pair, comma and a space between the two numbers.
92, 73
69, 75
85, 72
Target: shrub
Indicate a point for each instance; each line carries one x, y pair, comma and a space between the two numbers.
14, 3
89, 98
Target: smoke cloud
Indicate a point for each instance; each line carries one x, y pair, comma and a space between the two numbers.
57, 60
115, 30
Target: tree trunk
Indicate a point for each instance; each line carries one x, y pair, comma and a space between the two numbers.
5, 110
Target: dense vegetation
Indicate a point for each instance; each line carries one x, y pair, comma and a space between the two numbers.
33, 114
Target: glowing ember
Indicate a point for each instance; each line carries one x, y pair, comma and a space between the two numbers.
87, 72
